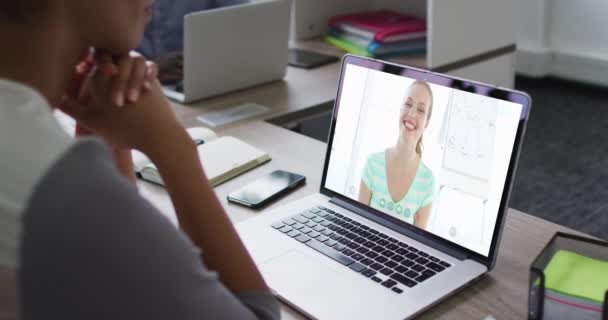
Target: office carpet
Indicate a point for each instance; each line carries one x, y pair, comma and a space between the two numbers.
563, 168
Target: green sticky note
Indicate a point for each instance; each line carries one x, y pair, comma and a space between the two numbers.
577, 276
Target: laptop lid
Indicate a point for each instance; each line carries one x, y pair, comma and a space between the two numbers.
426, 154
231, 48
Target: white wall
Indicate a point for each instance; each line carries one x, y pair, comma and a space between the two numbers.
564, 38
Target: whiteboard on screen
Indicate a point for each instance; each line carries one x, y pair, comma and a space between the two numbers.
470, 134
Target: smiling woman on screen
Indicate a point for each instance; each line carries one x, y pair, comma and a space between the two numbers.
396, 181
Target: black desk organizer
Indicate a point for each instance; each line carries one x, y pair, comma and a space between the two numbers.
561, 241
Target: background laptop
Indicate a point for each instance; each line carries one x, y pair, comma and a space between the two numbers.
232, 48
331, 257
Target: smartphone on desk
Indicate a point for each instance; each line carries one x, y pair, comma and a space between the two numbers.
308, 59
267, 188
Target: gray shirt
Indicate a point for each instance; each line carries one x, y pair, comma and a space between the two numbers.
91, 248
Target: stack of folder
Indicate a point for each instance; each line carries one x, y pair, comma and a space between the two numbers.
379, 34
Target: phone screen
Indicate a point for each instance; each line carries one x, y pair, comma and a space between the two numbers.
266, 188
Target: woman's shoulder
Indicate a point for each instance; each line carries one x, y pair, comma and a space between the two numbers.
376, 157
425, 172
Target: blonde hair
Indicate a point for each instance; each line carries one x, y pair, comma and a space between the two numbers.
430, 109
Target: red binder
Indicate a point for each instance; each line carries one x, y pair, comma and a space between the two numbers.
381, 26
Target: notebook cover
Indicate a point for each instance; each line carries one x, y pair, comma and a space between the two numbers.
382, 24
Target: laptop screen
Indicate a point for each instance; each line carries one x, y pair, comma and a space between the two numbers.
435, 156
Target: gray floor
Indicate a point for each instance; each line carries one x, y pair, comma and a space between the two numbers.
563, 170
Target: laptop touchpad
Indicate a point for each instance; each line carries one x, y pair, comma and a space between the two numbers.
306, 281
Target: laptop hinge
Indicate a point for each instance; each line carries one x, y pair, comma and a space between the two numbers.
402, 230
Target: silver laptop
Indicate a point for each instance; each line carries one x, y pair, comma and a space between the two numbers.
367, 246
232, 48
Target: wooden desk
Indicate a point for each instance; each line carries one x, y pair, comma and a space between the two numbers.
502, 293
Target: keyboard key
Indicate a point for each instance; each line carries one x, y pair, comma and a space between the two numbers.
369, 244
289, 222
278, 225
389, 283
408, 263
311, 224
435, 267
330, 218
315, 210
392, 246
428, 272
398, 258
306, 230
397, 290
300, 219
373, 231
373, 238
368, 273
360, 240
423, 254
381, 259
388, 253
391, 264
293, 233
357, 267
303, 238
376, 266
325, 223
351, 236
445, 264
318, 219
393, 240
402, 251
412, 256
382, 242
339, 247
433, 259
344, 241
327, 232
378, 249
319, 228
348, 252
335, 236
286, 229
342, 231
364, 234
330, 252
314, 234
322, 238
386, 271
376, 279
322, 214
347, 219
367, 261
357, 256
353, 245
308, 215
403, 280
422, 278
402, 245
401, 269
364, 227
297, 226
382, 235
330, 243
362, 250
335, 213
372, 254
322, 207
422, 260
418, 268
412, 249
412, 274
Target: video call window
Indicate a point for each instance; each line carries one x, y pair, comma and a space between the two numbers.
429, 155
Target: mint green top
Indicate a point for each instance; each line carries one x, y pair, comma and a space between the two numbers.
420, 194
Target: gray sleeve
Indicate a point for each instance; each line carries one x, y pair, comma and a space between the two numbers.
92, 248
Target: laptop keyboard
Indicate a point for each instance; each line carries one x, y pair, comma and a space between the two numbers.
364, 250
